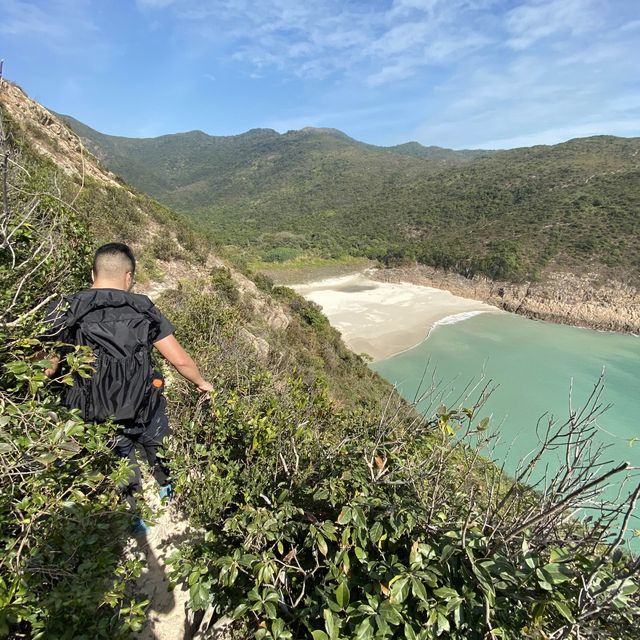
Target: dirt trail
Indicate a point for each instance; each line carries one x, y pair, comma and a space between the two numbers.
167, 612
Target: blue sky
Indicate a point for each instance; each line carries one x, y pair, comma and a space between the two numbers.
455, 73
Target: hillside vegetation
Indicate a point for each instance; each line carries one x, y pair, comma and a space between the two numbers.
511, 215
322, 506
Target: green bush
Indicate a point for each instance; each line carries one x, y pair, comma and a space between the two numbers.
165, 248
223, 283
280, 254
62, 573
328, 522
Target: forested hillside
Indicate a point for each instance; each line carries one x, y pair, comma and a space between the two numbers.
510, 214
319, 504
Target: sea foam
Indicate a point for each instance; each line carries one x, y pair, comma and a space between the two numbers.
457, 317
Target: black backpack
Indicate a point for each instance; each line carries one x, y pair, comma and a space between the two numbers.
117, 326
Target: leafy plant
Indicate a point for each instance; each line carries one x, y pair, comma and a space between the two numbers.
62, 525
330, 522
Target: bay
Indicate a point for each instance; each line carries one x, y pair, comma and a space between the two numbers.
535, 365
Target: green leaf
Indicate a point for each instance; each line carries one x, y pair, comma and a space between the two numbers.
329, 530
556, 573
418, 589
360, 554
400, 589
342, 595
442, 624
345, 516
322, 545
277, 627
446, 593
270, 595
17, 368
364, 630
564, 610
409, 633
376, 532
239, 611
319, 635
330, 623
389, 613
629, 588
538, 611
199, 594
47, 458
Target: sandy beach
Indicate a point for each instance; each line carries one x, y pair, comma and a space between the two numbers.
382, 319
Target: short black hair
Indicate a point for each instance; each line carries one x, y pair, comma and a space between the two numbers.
117, 250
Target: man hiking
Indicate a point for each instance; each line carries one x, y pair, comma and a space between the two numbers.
121, 328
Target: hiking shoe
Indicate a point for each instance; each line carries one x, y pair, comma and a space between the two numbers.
165, 492
140, 528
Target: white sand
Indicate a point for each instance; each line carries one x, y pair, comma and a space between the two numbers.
381, 318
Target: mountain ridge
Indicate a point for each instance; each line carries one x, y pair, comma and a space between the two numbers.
411, 147
509, 214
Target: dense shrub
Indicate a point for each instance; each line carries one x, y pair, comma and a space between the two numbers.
329, 522
62, 573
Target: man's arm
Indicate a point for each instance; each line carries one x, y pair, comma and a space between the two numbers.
172, 350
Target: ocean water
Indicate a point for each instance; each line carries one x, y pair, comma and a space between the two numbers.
537, 367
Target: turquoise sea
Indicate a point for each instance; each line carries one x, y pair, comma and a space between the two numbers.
535, 366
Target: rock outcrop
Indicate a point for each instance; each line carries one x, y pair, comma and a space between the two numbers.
565, 298
51, 137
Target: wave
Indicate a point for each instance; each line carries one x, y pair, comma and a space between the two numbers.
457, 317
454, 319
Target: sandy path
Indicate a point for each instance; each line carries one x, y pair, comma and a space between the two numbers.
381, 318
167, 612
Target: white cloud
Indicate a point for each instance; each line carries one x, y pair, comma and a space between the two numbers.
634, 25
478, 70
561, 134
468, 72
65, 27
328, 37
21, 18
390, 73
540, 19
546, 94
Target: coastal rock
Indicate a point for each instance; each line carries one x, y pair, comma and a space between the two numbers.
564, 298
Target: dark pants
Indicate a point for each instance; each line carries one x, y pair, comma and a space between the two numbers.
148, 438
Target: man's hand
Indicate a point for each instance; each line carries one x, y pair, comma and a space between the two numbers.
55, 363
205, 387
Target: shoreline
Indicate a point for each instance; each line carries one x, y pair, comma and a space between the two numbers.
383, 319
563, 298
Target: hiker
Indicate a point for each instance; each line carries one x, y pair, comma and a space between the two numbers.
121, 328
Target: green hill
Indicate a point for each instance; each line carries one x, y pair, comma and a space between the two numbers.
317, 504
508, 214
